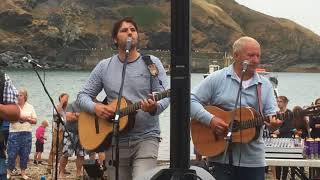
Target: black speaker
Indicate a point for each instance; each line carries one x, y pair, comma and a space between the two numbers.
93, 169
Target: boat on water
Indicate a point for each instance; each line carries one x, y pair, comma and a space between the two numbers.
212, 68
227, 60
261, 71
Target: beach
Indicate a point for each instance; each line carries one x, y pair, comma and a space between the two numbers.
36, 171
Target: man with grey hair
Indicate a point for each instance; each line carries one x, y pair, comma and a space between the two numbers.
220, 89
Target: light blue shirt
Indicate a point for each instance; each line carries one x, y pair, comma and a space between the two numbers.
220, 89
107, 76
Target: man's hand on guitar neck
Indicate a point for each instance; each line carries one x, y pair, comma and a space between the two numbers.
219, 126
104, 111
149, 105
273, 122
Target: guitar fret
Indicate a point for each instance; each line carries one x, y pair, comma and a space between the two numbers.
129, 109
252, 123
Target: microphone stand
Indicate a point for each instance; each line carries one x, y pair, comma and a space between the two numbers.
58, 122
115, 135
228, 138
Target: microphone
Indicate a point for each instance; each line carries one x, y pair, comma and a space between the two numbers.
245, 65
128, 45
30, 60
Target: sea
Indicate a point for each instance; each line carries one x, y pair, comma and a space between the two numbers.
300, 88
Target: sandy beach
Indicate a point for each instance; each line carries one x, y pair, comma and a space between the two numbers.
36, 171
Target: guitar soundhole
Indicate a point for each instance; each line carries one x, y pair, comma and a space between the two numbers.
236, 126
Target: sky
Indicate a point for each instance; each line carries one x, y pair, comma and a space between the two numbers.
303, 12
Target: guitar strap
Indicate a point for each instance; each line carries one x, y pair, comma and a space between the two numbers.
259, 99
151, 67
266, 132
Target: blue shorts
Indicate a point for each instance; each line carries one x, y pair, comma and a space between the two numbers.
3, 167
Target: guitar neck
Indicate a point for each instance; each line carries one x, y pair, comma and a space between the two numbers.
133, 107
259, 121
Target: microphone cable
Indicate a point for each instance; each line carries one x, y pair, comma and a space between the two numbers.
240, 129
44, 76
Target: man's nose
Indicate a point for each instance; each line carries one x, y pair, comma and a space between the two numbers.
254, 59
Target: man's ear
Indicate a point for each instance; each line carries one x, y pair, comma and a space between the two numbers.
236, 55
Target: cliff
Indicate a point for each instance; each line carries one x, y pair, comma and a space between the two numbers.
76, 33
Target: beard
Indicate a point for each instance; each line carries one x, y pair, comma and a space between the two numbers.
122, 45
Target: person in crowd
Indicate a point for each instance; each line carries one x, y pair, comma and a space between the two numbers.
71, 141
40, 138
20, 135
315, 122
139, 146
61, 108
10, 111
198, 155
5, 131
315, 130
98, 155
220, 89
285, 130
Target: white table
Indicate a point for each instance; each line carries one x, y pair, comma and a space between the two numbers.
311, 163
294, 162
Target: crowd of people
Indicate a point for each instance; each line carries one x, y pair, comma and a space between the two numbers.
139, 146
288, 129
18, 138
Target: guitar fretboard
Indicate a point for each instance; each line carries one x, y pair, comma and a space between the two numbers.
131, 108
259, 121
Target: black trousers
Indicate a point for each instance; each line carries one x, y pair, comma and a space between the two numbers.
225, 172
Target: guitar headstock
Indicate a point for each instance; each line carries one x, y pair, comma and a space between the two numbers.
300, 114
167, 93
312, 110
160, 95
163, 94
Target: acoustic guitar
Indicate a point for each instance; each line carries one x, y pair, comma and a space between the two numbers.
206, 141
93, 130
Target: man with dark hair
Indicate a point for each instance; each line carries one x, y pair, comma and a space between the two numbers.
139, 146
220, 89
10, 111
315, 122
284, 131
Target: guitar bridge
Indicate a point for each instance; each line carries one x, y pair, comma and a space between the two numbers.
96, 124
